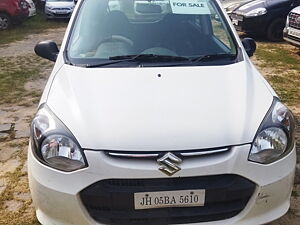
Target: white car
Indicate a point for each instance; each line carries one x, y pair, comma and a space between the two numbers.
59, 8
291, 32
154, 116
31, 8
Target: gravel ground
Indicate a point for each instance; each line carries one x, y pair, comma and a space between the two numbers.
26, 46
15, 202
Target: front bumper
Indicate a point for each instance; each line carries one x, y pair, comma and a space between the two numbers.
56, 195
32, 12
291, 39
53, 14
250, 25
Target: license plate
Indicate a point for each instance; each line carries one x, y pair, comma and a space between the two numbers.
235, 22
294, 32
236, 17
166, 199
61, 12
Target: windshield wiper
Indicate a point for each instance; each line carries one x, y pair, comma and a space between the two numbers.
160, 58
139, 58
150, 57
213, 57
105, 63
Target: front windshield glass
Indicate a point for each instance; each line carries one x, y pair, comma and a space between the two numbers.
108, 30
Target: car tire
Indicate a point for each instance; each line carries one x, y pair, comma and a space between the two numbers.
5, 21
275, 30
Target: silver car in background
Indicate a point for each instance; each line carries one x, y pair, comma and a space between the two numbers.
291, 32
59, 8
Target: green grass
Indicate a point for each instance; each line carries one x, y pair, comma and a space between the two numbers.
273, 54
284, 69
14, 73
35, 24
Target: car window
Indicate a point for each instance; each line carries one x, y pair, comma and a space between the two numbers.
109, 28
220, 32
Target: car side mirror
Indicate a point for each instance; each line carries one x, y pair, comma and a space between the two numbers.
47, 50
249, 45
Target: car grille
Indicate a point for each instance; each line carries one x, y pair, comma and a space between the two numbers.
61, 9
156, 154
294, 20
62, 15
112, 201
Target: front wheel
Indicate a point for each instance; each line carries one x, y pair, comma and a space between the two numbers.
5, 21
275, 30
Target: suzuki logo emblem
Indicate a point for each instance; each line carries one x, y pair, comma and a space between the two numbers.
169, 164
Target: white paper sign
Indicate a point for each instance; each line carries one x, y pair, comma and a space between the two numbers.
189, 7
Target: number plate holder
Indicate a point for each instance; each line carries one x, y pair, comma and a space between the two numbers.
61, 12
294, 32
166, 199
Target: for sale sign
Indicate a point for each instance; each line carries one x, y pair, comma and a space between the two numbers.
189, 7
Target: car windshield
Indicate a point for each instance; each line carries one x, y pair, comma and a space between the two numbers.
110, 32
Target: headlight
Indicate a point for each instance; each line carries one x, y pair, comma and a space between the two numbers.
256, 12
287, 20
275, 137
53, 144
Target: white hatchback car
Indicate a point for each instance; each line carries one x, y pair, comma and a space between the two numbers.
154, 115
59, 9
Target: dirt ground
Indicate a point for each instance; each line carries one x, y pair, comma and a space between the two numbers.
15, 203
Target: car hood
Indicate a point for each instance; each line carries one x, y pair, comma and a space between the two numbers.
273, 4
231, 5
183, 108
248, 6
269, 4
296, 10
60, 4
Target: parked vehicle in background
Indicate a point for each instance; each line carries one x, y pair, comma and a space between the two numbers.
263, 17
59, 8
31, 7
291, 32
12, 11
